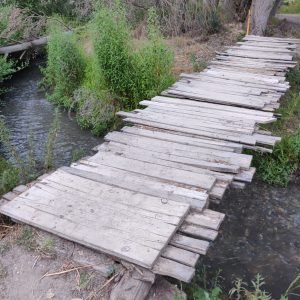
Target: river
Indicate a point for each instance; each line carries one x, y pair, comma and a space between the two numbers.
26, 110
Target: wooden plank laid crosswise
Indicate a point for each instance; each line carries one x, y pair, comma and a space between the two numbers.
144, 196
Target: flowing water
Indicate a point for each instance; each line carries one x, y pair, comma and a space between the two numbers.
261, 233
28, 113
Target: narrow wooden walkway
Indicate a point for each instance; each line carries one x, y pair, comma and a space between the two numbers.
144, 196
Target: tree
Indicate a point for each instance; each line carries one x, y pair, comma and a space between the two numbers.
260, 13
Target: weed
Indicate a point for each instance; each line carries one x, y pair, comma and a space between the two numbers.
78, 154
85, 279
153, 63
198, 65
7, 67
65, 67
92, 112
52, 135
26, 238
113, 52
47, 247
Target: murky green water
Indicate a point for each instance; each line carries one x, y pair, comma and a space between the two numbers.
261, 234
26, 110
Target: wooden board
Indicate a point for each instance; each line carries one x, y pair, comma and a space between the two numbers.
116, 221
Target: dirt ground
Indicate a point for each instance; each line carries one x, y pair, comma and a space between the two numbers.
36, 265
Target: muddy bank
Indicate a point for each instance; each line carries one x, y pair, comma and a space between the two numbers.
261, 234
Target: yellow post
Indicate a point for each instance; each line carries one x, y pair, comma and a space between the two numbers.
248, 22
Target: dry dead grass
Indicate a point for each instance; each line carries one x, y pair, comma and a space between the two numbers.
203, 48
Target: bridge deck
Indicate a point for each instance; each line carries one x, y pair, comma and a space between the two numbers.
144, 196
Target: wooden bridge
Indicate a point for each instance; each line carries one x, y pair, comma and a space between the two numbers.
144, 196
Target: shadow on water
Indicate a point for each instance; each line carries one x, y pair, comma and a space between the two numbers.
261, 234
26, 110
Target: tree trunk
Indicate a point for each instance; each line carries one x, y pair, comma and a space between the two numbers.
260, 13
275, 8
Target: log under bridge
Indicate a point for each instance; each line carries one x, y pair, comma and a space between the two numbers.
144, 197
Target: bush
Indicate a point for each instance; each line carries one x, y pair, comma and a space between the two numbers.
9, 176
65, 67
153, 63
18, 24
93, 113
278, 167
131, 75
113, 52
7, 67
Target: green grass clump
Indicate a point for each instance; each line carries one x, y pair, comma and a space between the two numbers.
278, 167
9, 176
65, 67
26, 238
290, 7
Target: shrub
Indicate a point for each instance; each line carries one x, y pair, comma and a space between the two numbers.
9, 176
93, 113
131, 75
65, 67
7, 67
113, 52
153, 63
277, 167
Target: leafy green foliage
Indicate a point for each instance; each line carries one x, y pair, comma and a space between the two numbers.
202, 294
93, 112
65, 67
153, 63
277, 167
113, 52
52, 136
9, 176
7, 67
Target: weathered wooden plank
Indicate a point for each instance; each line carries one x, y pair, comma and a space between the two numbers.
194, 152
190, 122
167, 173
134, 285
206, 219
167, 267
245, 139
190, 244
140, 183
182, 139
199, 231
156, 158
190, 163
181, 256
207, 111
124, 249
198, 104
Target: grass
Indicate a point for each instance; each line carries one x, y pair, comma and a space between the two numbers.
47, 247
290, 7
278, 167
26, 238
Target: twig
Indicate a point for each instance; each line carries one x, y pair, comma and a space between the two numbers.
64, 272
89, 297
